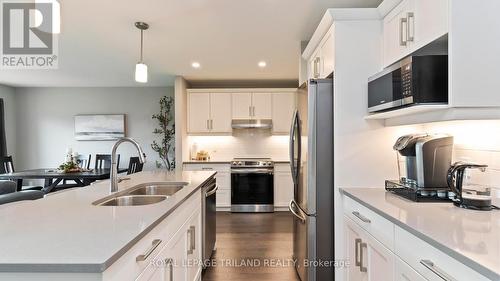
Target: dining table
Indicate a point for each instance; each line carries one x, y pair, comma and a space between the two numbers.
53, 177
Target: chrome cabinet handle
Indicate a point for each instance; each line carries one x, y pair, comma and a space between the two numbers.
208, 124
207, 168
316, 67
409, 36
170, 263
151, 249
357, 241
402, 40
362, 268
192, 239
436, 270
361, 217
211, 124
290, 207
250, 110
253, 111
211, 192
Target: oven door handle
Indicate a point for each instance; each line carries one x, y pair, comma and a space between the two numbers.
252, 171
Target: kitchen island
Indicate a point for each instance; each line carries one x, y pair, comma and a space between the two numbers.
68, 236
419, 241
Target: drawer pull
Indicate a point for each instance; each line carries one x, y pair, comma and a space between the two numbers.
361, 217
357, 241
144, 256
362, 268
436, 270
170, 263
192, 239
207, 169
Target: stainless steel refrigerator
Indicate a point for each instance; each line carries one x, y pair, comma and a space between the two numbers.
311, 161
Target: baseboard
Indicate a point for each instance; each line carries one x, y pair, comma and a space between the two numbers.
276, 209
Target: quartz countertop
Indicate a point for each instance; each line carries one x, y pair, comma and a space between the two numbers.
227, 162
471, 237
65, 232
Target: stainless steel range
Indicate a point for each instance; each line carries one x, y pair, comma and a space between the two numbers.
252, 185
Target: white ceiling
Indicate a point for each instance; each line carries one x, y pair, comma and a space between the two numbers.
99, 45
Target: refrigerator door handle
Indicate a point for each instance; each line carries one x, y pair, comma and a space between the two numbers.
301, 217
292, 145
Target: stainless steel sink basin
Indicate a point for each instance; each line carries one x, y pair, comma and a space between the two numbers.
166, 190
133, 200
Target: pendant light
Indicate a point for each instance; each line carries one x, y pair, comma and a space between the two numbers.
141, 69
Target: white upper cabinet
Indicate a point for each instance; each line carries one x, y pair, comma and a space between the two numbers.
411, 25
262, 105
321, 63
220, 112
209, 113
283, 108
198, 113
242, 105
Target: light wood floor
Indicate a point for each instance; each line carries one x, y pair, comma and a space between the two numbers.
246, 239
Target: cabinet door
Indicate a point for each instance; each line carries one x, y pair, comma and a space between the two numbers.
220, 113
283, 108
314, 65
193, 236
403, 272
327, 54
428, 22
198, 112
169, 264
262, 105
395, 34
283, 188
353, 247
242, 105
378, 259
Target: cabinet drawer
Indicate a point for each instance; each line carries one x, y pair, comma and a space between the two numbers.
282, 168
150, 245
403, 272
429, 261
376, 225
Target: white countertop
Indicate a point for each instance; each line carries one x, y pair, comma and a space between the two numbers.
472, 237
66, 233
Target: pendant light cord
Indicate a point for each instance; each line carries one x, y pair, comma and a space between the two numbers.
142, 39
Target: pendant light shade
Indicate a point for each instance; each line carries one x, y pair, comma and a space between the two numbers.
141, 69
141, 73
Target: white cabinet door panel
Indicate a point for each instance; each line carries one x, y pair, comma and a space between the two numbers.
199, 112
283, 188
403, 272
262, 105
241, 105
283, 108
220, 112
429, 21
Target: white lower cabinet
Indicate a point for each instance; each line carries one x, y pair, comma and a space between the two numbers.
394, 254
283, 185
223, 178
368, 258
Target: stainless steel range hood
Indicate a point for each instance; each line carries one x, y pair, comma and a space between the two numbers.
252, 124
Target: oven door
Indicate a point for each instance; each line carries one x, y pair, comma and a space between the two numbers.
252, 190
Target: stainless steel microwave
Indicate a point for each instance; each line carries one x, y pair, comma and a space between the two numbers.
414, 80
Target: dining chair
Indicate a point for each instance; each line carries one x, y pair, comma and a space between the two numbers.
7, 167
103, 161
134, 165
83, 161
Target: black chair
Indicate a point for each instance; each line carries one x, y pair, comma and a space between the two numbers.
134, 165
7, 167
8, 193
103, 161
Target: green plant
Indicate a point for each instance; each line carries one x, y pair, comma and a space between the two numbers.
165, 147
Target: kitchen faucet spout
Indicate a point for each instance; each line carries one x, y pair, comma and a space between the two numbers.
114, 160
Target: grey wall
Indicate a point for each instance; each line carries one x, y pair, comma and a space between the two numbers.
45, 125
7, 94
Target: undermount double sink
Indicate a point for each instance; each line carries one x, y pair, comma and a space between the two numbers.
143, 194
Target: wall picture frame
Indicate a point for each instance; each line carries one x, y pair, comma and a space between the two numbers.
99, 127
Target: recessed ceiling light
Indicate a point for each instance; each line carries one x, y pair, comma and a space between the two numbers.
262, 64
196, 64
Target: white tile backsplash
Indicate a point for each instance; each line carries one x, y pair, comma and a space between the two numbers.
243, 143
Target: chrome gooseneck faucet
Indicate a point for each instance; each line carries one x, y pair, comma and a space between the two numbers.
114, 161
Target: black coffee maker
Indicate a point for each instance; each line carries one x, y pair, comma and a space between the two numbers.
469, 198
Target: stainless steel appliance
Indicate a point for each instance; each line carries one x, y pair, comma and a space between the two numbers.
423, 163
209, 219
311, 161
252, 185
468, 195
413, 80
